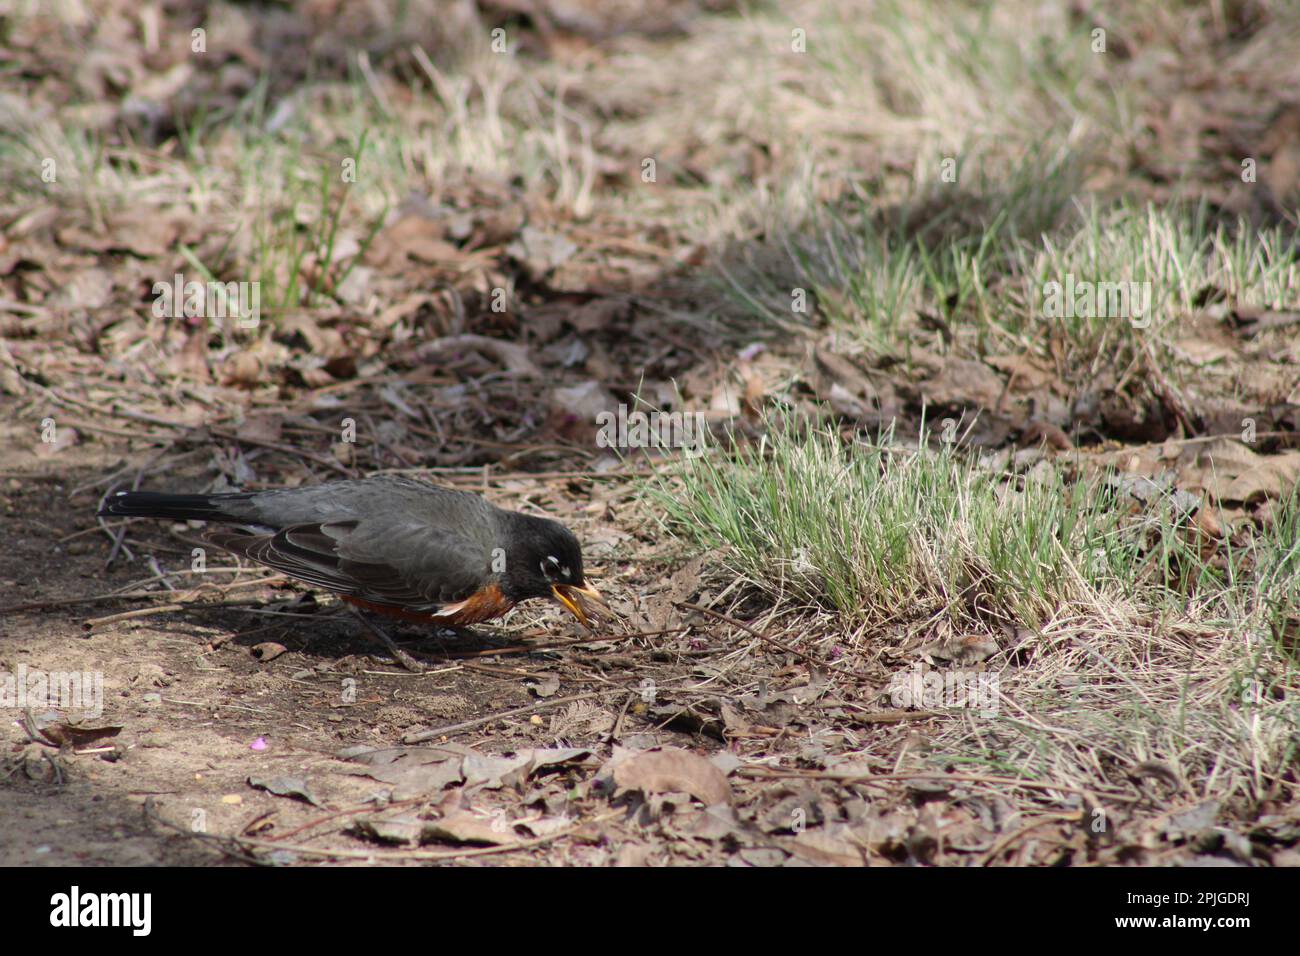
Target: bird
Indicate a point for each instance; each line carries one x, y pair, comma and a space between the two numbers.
391, 544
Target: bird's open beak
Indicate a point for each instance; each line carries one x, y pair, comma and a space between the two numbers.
575, 599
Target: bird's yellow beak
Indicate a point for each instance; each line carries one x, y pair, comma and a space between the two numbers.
574, 599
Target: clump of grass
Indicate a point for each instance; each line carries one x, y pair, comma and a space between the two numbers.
1177, 253
879, 531
944, 249
983, 262
876, 530
308, 227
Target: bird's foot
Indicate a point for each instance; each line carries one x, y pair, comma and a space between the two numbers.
403, 658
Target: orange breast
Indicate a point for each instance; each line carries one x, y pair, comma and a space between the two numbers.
478, 607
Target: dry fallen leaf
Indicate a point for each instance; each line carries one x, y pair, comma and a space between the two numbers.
412, 771
464, 826
540, 252
545, 685
261, 428
285, 786
403, 830
77, 736
673, 770
493, 771
513, 356
1229, 471
963, 382
832, 845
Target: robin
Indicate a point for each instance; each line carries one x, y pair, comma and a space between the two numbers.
394, 545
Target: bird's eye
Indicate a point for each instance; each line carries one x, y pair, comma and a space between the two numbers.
551, 565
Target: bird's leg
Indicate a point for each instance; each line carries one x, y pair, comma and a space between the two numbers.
403, 658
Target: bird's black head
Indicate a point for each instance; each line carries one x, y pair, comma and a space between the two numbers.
544, 559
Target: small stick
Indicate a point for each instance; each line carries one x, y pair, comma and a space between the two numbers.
618, 723
549, 645
65, 602
423, 735
778, 773
399, 855
758, 634
91, 623
1005, 843
340, 813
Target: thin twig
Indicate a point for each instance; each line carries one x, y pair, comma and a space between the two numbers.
91, 623
777, 773
758, 634
423, 735
397, 856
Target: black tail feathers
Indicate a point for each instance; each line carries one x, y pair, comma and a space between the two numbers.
153, 504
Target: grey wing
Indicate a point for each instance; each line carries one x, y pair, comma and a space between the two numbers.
407, 565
